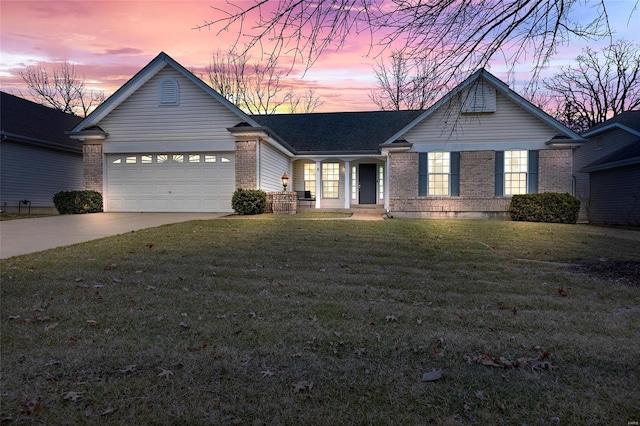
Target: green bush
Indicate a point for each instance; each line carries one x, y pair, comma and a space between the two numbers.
249, 201
548, 207
77, 202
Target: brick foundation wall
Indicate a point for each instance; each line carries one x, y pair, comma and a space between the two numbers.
92, 166
246, 164
477, 185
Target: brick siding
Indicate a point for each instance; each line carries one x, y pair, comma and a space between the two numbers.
92, 166
246, 165
554, 170
477, 185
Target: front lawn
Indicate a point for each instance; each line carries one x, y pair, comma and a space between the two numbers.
269, 320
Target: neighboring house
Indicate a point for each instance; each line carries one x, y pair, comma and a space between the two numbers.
166, 141
607, 171
37, 158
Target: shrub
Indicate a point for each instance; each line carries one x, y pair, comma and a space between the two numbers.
548, 207
77, 202
249, 201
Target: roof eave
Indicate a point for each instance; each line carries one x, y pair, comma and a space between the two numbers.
611, 165
38, 142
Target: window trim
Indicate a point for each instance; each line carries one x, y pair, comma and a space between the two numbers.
330, 187
453, 174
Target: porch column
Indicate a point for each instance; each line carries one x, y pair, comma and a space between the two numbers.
386, 183
318, 183
347, 181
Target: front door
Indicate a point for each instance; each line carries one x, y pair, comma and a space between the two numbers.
367, 178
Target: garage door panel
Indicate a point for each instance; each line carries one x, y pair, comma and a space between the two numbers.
174, 182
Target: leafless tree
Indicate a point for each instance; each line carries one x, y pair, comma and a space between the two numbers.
62, 89
601, 85
256, 88
464, 35
405, 83
305, 103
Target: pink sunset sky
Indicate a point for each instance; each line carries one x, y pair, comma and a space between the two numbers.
110, 41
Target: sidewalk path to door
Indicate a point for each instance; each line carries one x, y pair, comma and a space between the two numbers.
23, 236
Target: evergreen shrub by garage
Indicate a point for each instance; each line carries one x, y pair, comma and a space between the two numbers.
77, 202
550, 207
249, 201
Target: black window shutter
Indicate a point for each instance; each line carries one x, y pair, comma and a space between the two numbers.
532, 176
423, 174
499, 173
454, 171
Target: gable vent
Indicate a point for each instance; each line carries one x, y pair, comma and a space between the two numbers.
168, 92
480, 97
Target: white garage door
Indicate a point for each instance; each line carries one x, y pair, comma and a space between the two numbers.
186, 182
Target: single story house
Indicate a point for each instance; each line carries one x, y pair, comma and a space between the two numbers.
607, 171
37, 157
166, 141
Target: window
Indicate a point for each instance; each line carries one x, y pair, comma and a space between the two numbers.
330, 180
131, 159
209, 158
162, 158
194, 158
146, 159
439, 174
516, 172
354, 183
438, 178
178, 158
381, 182
310, 178
168, 92
224, 160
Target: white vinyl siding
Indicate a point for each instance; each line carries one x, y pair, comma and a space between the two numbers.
139, 124
273, 164
445, 129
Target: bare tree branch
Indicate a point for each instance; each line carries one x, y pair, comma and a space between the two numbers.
464, 35
600, 86
62, 89
405, 83
256, 88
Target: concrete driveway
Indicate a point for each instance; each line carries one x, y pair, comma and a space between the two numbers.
23, 236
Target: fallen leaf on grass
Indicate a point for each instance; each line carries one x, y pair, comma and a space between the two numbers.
109, 411
432, 376
481, 395
32, 406
73, 396
522, 362
50, 326
129, 369
165, 373
266, 373
91, 323
391, 318
302, 386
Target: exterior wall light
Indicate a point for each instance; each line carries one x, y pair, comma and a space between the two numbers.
285, 181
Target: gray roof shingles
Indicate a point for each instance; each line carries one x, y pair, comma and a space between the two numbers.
337, 132
28, 121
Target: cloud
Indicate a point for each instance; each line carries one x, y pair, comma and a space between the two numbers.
121, 51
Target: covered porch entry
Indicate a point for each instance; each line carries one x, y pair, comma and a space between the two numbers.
341, 183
